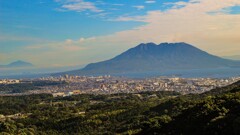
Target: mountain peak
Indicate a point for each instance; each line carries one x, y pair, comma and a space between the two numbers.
146, 46
20, 63
149, 57
151, 45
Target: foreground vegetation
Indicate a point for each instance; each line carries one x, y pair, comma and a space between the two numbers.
214, 112
24, 87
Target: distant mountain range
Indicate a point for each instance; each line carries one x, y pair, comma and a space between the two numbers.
150, 57
17, 64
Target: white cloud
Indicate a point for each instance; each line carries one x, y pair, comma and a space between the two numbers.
216, 33
139, 7
150, 1
79, 5
81, 39
69, 41
128, 18
178, 4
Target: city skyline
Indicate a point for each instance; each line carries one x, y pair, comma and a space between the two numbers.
78, 32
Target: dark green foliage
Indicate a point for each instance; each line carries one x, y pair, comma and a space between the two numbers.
20, 104
23, 87
17, 88
48, 83
215, 112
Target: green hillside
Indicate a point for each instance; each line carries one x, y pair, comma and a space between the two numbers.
214, 112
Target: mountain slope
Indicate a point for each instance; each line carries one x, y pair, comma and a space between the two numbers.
167, 113
156, 58
17, 64
208, 113
234, 57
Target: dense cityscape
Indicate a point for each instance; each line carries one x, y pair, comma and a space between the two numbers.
74, 85
115, 105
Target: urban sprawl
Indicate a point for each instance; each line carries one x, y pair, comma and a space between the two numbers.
110, 85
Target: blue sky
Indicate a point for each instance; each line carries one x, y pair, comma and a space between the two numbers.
49, 20
73, 32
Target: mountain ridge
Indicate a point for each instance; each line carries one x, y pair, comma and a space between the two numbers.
157, 58
17, 64
233, 57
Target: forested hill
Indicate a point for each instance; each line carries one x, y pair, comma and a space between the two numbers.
214, 112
